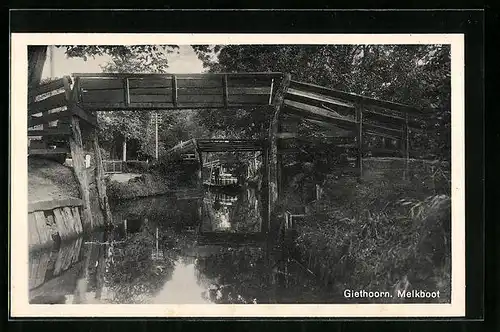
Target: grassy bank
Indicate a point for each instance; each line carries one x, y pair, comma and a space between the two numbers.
157, 181
378, 235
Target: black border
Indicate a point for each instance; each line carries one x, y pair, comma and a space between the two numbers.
471, 23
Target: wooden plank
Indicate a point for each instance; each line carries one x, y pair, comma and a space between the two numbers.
49, 103
100, 181
70, 221
187, 99
317, 99
175, 91
151, 91
43, 263
34, 238
150, 99
126, 91
47, 151
100, 83
77, 154
103, 106
42, 229
357, 98
60, 224
107, 96
235, 81
248, 99
164, 82
78, 221
381, 129
380, 134
48, 117
60, 130
84, 115
53, 204
316, 112
45, 88
210, 82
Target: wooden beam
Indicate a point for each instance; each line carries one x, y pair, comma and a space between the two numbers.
79, 169
47, 151
175, 100
53, 204
126, 91
99, 178
44, 88
358, 98
273, 151
316, 99
48, 117
317, 113
183, 76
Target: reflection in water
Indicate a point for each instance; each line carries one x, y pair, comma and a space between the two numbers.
184, 287
190, 248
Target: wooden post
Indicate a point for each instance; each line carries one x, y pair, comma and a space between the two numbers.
273, 149
124, 151
99, 179
359, 133
77, 154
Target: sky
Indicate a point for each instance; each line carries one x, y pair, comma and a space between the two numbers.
184, 62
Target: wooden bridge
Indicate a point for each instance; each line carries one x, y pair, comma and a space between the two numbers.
61, 115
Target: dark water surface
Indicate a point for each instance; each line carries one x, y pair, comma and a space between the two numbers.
197, 246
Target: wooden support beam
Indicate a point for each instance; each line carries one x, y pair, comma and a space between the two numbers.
175, 99
77, 154
99, 178
126, 91
273, 141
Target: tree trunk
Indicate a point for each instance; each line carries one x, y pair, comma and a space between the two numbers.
36, 61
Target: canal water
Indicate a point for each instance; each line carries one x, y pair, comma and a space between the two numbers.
194, 246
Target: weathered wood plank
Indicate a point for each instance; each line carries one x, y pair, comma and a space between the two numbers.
100, 182
60, 224
164, 98
185, 76
109, 96
48, 117
188, 99
47, 151
154, 91
152, 82
316, 112
70, 221
234, 81
42, 229
60, 130
199, 83
382, 129
317, 99
45, 88
100, 83
77, 154
49, 103
357, 98
359, 140
53, 204
78, 221
225, 90
278, 103
84, 115
248, 99
33, 237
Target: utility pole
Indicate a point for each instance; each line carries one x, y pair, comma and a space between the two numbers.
156, 134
